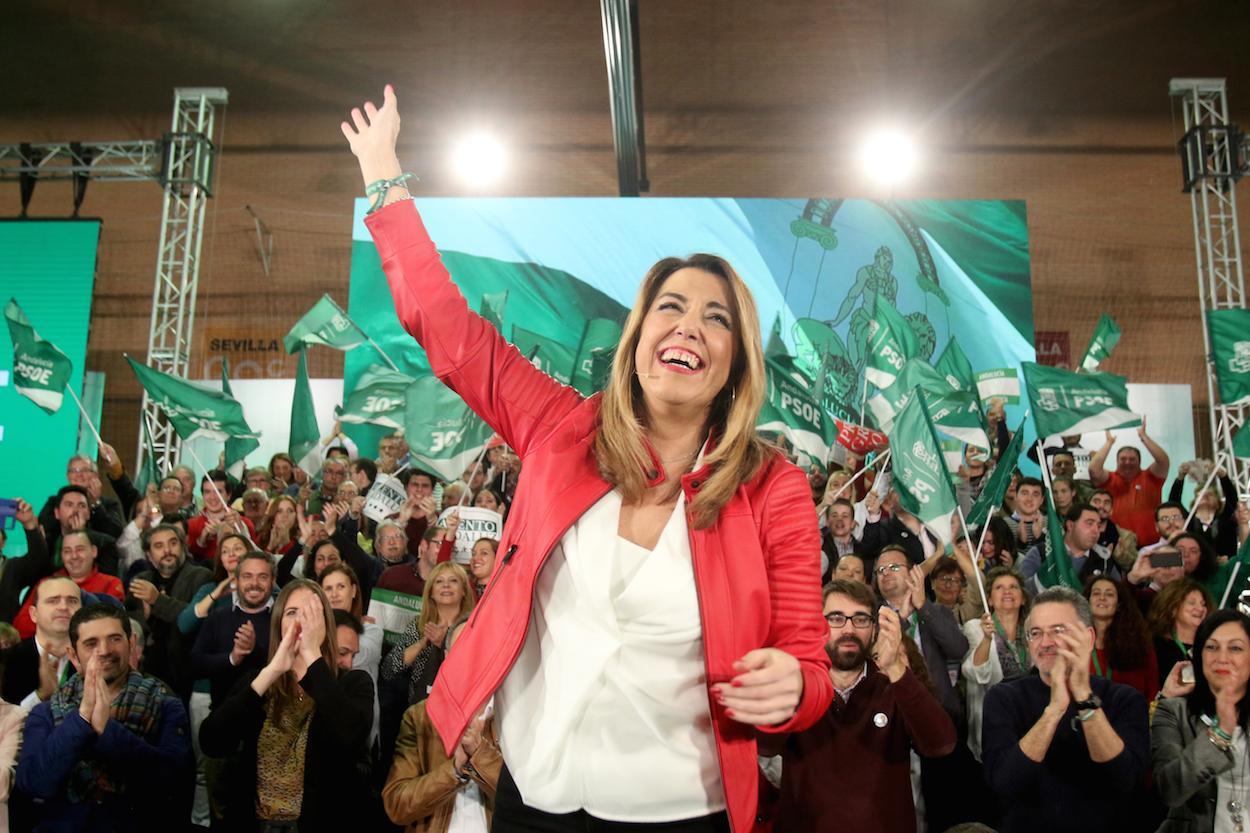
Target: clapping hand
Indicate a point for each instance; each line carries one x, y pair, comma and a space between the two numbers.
915, 598
312, 628
888, 652
435, 633
244, 642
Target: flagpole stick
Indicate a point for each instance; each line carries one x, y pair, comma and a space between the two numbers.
984, 529
87, 419
863, 402
1232, 579
204, 474
972, 556
860, 474
477, 464
381, 352
1198, 497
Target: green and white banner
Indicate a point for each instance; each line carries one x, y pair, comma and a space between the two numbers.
954, 365
1230, 352
1106, 337
442, 432
954, 412
789, 409
193, 410
920, 475
394, 612
995, 489
40, 370
379, 398
1000, 383
326, 324
891, 343
305, 436
1067, 403
237, 449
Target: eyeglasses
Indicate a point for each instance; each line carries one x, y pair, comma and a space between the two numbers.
861, 621
889, 568
78, 470
171, 488
948, 580
1035, 634
1171, 516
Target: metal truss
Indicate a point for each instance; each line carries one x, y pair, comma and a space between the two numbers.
1212, 157
188, 167
115, 161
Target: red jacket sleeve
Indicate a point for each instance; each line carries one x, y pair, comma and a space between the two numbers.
791, 541
520, 402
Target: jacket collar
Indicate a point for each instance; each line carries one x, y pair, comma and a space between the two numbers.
656, 474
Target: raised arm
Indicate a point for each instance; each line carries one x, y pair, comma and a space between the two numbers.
1160, 464
1098, 473
468, 354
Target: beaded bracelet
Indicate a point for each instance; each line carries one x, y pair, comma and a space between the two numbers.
379, 188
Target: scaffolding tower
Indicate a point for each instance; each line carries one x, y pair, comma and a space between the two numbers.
1212, 160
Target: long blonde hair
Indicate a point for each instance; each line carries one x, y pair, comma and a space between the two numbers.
283, 690
429, 610
620, 446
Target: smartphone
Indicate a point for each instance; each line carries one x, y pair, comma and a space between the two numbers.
1187, 675
8, 512
1170, 558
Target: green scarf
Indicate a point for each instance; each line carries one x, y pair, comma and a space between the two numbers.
138, 708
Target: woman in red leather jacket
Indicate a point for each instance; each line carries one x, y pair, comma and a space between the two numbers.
656, 600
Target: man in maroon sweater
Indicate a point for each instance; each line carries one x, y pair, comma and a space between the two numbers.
852, 770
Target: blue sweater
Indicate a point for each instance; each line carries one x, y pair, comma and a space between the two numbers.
1066, 791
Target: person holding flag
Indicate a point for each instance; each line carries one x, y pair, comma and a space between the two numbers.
654, 501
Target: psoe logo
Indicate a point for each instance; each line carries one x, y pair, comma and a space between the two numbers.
924, 455
1240, 362
1047, 400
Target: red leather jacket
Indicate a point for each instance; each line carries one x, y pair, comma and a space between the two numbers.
757, 569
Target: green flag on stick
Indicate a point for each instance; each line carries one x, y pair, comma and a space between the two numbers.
954, 365
549, 356
1230, 352
194, 411
378, 399
920, 476
1056, 567
237, 449
953, 412
147, 473
1229, 573
326, 324
305, 436
1106, 337
600, 335
1000, 383
40, 370
891, 342
790, 408
1066, 403
995, 488
493, 304
1241, 442
443, 433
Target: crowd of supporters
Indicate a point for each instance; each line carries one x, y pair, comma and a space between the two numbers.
255, 653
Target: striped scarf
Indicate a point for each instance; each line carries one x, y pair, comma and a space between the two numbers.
138, 708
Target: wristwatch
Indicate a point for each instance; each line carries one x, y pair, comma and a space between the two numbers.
1093, 703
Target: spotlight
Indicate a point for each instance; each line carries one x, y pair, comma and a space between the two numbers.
888, 156
479, 160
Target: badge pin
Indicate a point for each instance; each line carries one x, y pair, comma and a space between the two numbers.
879, 720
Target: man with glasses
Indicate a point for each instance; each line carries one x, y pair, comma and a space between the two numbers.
881, 711
104, 514
1063, 749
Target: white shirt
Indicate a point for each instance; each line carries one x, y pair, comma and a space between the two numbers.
31, 700
606, 708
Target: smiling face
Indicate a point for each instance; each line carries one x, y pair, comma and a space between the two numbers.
78, 555
1104, 599
482, 561
841, 520
686, 344
231, 550
448, 591
1006, 595
851, 568
1028, 499
255, 580
105, 641
486, 500
1045, 623
1226, 657
1192, 611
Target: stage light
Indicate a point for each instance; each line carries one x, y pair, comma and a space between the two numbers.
479, 160
888, 156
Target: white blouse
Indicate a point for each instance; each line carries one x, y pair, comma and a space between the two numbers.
606, 708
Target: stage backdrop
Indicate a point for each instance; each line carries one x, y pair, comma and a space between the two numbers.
49, 267
817, 268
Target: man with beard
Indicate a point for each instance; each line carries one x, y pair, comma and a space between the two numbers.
110, 750
235, 639
160, 594
1063, 749
881, 710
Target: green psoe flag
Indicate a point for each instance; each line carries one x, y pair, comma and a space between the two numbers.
954, 412
915, 374
305, 436
790, 408
378, 399
40, 370
493, 304
147, 473
548, 355
1230, 351
194, 411
1229, 573
1106, 337
954, 365
442, 432
995, 488
1056, 568
601, 335
891, 342
237, 449
1066, 403
1241, 442
920, 476
325, 324
999, 383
